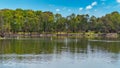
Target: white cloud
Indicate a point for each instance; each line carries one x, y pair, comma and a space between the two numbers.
118, 1
88, 7
94, 3
91, 6
57, 10
80, 9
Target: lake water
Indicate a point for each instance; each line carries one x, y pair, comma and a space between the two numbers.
59, 53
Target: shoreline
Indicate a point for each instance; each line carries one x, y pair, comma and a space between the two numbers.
81, 35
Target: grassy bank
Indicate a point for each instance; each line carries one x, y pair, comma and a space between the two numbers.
62, 34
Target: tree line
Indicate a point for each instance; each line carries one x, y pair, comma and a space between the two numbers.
19, 20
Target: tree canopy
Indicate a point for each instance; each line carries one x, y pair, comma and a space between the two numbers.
20, 20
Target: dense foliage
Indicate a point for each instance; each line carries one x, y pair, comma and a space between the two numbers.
19, 20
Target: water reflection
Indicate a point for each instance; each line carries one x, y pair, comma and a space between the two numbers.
58, 51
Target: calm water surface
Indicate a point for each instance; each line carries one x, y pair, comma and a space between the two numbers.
59, 53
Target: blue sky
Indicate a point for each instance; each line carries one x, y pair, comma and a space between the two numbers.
65, 7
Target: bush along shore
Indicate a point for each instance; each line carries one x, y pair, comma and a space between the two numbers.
77, 35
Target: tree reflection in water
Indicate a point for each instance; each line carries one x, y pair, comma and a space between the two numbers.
38, 50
